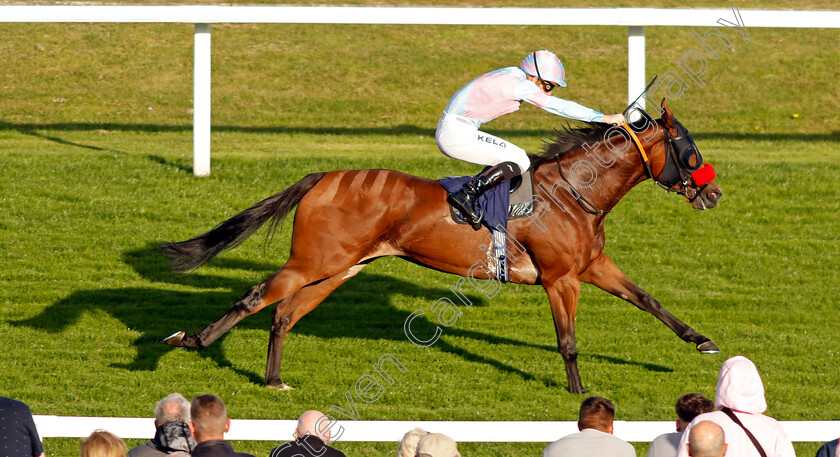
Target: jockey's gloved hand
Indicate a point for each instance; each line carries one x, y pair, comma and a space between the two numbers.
613, 119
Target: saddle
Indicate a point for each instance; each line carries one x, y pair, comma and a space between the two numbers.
509, 200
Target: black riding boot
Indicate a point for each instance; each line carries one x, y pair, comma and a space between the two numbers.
464, 200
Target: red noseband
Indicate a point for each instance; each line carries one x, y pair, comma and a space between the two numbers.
703, 175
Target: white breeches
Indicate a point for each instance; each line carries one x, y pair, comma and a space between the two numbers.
459, 138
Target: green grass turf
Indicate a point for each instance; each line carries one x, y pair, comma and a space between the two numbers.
743, 4
95, 170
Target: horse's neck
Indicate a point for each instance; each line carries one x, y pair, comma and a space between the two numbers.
617, 168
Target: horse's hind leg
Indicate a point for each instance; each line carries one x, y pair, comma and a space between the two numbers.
246, 306
277, 287
289, 311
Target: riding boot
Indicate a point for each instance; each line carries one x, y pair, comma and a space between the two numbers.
464, 200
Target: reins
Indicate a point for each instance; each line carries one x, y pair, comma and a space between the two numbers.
589, 207
685, 189
684, 176
641, 148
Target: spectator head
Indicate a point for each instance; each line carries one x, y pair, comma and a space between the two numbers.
740, 387
209, 420
408, 444
597, 413
706, 439
437, 445
103, 444
314, 423
172, 408
690, 406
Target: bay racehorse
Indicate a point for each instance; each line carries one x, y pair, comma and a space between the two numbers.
346, 219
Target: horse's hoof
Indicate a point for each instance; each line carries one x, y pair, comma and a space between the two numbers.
175, 339
281, 387
708, 348
577, 390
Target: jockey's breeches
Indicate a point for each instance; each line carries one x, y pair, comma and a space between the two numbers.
459, 138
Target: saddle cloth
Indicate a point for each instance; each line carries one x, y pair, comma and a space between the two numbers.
507, 201
498, 205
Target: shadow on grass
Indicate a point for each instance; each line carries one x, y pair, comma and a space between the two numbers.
152, 157
647, 366
169, 163
55, 139
402, 129
356, 311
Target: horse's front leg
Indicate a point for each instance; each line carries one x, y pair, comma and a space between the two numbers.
563, 296
603, 274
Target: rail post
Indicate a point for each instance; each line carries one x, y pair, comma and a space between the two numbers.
201, 101
635, 64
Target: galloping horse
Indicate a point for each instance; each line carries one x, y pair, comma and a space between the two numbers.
346, 219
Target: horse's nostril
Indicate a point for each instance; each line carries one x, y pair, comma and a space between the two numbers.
714, 196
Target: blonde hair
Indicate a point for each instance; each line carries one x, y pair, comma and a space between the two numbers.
408, 444
101, 443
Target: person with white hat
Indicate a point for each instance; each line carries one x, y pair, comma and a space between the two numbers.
492, 95
437, 445
740, 403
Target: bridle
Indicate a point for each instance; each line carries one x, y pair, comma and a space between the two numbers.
677, 169
673, 171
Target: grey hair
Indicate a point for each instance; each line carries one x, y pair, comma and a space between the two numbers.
172, 408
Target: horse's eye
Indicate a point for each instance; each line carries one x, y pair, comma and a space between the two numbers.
692, 160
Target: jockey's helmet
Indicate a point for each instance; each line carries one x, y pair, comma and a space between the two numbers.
545, 66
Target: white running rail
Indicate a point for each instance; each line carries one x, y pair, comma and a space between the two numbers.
393, 431
635, 19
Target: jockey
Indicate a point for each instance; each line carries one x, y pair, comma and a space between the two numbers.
492, 95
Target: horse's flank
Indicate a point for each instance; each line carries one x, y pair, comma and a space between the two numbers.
346, 219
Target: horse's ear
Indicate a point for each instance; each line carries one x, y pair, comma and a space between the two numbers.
667, 115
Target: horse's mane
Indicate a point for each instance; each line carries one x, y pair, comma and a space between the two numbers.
568, 140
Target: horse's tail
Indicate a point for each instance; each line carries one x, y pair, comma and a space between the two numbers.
191, 254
